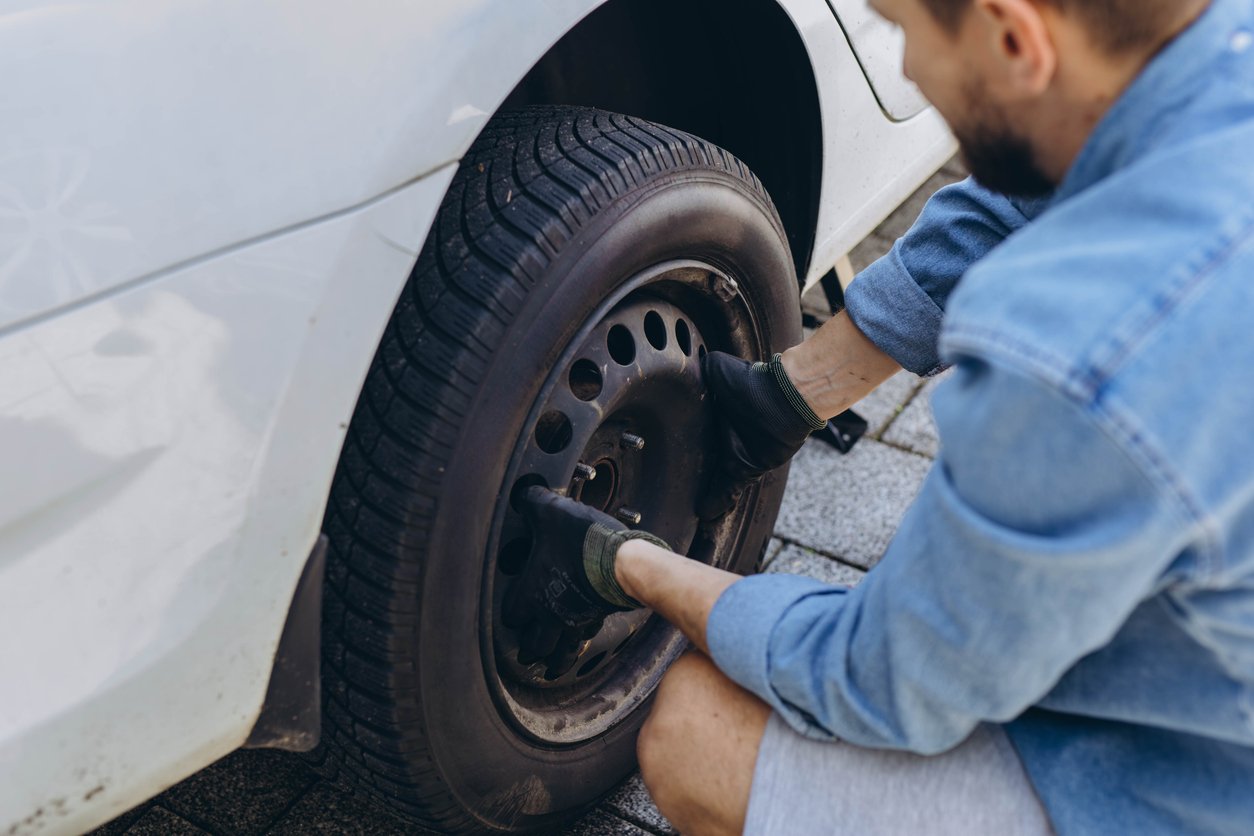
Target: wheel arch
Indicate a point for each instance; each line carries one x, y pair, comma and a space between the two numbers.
743, 81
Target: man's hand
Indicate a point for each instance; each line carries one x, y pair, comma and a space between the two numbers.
569, 585
764, 421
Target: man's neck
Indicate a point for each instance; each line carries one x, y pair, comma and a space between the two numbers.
1088, 86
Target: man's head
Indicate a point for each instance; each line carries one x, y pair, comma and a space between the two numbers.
1024, 82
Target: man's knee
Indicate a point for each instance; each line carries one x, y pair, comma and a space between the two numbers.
681, 707
663, 729
699, 745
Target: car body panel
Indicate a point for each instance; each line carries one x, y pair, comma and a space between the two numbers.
177, 442
207, 212
880, 46
252, 116
858, 189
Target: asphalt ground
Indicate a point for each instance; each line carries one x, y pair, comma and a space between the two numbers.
839, 513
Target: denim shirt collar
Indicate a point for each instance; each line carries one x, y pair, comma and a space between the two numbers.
1133, 124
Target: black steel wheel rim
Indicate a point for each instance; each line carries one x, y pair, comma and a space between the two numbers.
622, 424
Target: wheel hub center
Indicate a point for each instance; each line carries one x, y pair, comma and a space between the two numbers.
601, 490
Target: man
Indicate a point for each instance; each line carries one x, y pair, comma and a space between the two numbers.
1061, 635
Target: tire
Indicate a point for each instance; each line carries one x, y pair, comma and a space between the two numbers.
561, 225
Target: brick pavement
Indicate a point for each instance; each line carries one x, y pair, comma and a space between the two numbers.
838, 515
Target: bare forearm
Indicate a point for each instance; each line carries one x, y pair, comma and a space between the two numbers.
837, 367
680, 590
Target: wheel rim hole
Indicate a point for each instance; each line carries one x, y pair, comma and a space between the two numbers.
553, 432
513, 556
619, 649
683, 336
621, 344
590, 665
599, 492
585, 380
520, 488
655, 330
701, 352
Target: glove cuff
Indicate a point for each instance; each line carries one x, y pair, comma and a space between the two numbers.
793, 395
600, 549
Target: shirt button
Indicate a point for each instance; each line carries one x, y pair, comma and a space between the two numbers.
1241, 40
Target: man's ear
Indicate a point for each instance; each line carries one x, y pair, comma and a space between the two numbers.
1020, 47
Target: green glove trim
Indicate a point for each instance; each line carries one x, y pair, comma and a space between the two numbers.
794, 397
600, 549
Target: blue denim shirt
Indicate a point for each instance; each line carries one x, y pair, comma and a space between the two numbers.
1079, 563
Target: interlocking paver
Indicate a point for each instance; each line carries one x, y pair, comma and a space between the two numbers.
869, 251
600, 823
324, 809
632, 802
848, 506
914, 428
886, 402
773, 548
157, 821
243, 793
797, 560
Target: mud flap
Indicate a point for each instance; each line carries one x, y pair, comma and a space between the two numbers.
291, 717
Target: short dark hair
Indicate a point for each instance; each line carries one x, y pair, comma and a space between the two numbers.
1117, 25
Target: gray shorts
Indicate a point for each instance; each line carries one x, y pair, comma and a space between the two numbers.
802, 787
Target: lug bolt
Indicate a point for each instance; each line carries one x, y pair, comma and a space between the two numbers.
628, 516
586, 472
631, 441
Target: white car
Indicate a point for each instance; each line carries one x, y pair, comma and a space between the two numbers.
278, 269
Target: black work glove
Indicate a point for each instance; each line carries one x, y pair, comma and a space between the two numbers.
568, 585
763, 421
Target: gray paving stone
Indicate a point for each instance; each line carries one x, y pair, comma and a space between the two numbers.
849, 506
887, 401
632, 802
243, 792
122, 823
955, 168
600, 823
157, 821
327, 810
797, 560
815, 302
871, 249
773, 548
914, 428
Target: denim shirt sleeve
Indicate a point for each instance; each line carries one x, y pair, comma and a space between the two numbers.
1033, 538
898, 301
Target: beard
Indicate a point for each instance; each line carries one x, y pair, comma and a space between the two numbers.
999, 159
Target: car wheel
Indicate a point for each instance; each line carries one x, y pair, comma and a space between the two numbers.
551, 333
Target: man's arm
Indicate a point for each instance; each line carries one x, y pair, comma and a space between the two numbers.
898, 302
680, 590
837, 367
1035, 536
